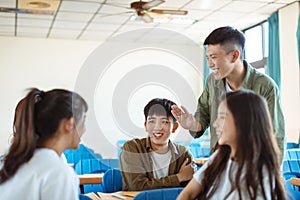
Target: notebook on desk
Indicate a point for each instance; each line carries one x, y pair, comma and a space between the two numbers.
128, 195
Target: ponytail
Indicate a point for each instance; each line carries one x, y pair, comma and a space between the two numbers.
24, 142
37, 118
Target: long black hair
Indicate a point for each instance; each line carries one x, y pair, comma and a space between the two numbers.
37, 118
257, 153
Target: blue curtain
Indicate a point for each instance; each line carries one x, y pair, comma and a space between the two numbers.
205, 67
273, 61
298, 38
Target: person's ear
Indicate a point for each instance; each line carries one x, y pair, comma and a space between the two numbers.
175, 126
145, 123
235, 55
69, 124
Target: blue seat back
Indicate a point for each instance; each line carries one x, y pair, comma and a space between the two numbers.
111, 162
89, 166
292, 191
112, 181
158, 194
83, 152
83, 197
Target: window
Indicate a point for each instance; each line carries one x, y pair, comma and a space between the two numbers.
256, 47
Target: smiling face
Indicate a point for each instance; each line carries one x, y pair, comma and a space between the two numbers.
220, 61
159, 129
225, 127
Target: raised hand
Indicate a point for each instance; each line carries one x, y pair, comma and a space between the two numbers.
184, 118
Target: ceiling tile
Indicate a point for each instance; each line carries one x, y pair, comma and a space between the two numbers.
109, 9
32, 16
8, 3
69, 25
225, 16
95, 35
102, 26
7, 29
34, 22
207, 4
74, 16
197, 14
270, 8
111, 18
37, 32
7, 21
76, 6
243, 6
64, 34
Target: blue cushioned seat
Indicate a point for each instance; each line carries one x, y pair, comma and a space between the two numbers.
158, 194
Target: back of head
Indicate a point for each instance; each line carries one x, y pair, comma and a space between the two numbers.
228, 37
159, 106
37, 119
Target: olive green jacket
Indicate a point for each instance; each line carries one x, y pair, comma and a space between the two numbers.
254, 80
137, 167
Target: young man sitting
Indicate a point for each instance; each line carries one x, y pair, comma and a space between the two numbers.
155, 162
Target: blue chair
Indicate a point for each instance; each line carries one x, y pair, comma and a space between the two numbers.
112, 181
83, 197
291, 145
90, 166
159, 194
111, 162
83, 152
292, 191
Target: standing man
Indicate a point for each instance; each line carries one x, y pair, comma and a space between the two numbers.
225, 47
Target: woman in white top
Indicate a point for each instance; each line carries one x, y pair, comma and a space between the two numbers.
246, 164
45, 124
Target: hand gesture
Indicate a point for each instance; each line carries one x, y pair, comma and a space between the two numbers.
184, 118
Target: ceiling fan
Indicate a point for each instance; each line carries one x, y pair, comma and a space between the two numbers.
148, 10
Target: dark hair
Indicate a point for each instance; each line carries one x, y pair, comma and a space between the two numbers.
227, 37
159, 106
257, 150
37, 119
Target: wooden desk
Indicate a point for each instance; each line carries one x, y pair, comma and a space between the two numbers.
201, 161
90, 179
296, 182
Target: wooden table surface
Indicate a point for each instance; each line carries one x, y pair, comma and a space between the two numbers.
201, 161
295, 181
90, 178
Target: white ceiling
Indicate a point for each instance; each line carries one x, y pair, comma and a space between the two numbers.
98, 20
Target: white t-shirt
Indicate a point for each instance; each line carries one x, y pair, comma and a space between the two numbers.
45, 177
225, 185
161, 164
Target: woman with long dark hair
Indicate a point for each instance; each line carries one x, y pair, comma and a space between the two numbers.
246, 163
45, 125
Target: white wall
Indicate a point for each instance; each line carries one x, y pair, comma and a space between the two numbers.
117, 78
41, 63
290, 81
